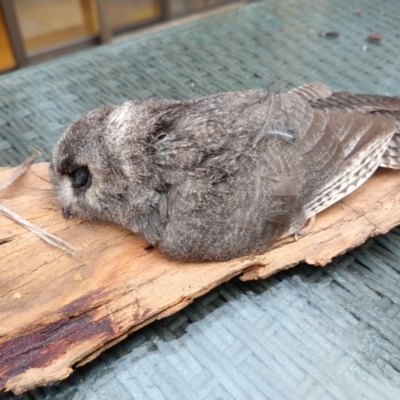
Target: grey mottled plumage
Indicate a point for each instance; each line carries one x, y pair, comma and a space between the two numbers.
224, 175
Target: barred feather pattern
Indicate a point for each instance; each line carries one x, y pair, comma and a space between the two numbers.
368, 104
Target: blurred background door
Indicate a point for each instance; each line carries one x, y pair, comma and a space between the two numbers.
126, 14
7, 59
34, 30
45, 23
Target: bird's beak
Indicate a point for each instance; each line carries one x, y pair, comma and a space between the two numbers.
66, 212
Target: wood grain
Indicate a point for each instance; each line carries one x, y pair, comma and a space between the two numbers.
58, 311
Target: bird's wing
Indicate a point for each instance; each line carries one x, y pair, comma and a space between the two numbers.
312, 91
366, 103
370, 104
339, 149
340, 153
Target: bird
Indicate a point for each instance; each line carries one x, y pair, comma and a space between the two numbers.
225, 175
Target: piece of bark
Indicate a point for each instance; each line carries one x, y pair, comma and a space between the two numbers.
59, 311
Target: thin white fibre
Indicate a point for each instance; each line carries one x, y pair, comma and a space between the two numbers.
41, 233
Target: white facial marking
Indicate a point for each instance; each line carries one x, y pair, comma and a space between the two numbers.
119, 122
68, 198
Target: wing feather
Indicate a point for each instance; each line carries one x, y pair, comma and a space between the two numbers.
371, 104
312, 91
363, 143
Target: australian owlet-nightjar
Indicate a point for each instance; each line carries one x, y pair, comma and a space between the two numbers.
225, 175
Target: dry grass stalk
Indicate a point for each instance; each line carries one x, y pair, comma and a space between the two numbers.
40, 232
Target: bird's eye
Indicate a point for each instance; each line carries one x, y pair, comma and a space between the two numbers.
80, 177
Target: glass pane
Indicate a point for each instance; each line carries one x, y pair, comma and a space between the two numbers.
181, 7
7, 59
133, 12
47, 22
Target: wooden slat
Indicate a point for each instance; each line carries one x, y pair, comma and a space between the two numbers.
59, 311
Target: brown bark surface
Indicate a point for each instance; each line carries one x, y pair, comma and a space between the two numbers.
58, 311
